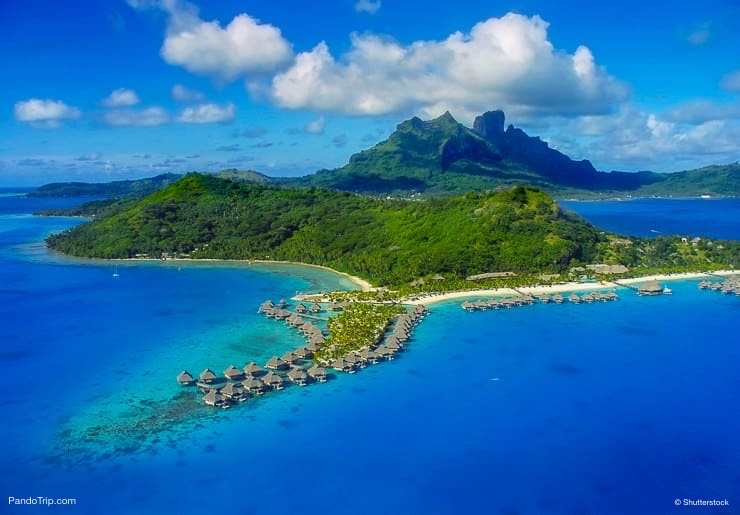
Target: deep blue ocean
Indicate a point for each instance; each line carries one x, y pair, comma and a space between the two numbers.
550, 409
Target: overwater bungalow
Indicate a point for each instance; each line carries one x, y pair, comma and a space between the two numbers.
557, 298
354, 360
368, 356
265, 306
341, 365
507, 302
384, 352
303, 353
494, 304
213, 398
234, 392
574, 298
294, 320
468, 306
481, 304
254, 385
282, 303
289, 357
612, 295
298, 376
253, 369
276, 363
233, 374
207, 376
650, 288
316, 308
704, 284
273, 380
312, 346
185, 378
301, 308
588, 298
545, 299
393, 345
317, 373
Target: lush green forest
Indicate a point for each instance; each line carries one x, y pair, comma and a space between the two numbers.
389, 242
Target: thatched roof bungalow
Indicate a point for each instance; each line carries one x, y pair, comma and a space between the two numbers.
276, 363
208, 376
234, 374
317, 373
185, 378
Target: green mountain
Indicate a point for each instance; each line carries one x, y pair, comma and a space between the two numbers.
442, 156
389, 242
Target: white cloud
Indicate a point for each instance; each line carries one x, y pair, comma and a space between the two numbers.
367, 6
316, 126
504, 62
208, 113
731, 81
245, 46
44, 113
121, 98
149, 117
634, 139
185, 95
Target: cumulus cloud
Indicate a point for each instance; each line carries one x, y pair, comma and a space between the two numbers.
635, 139
185, 95
367, 6
315, 126
149, 117
507, 62
243, 47
44, 113
121, 98
208, 113
731, 81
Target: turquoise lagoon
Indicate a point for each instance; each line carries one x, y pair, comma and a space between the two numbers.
606, 408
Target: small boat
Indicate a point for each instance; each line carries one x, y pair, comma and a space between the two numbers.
667, 291
115, 271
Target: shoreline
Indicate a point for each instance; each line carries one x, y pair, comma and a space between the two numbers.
537, 289
548, 289
358, 281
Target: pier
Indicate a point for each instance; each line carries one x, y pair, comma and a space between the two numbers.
299, 367
526, 299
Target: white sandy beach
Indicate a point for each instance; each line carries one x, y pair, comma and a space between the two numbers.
561, 288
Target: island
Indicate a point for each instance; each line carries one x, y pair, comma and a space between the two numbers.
509, 247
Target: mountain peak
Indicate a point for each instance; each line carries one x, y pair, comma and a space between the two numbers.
490, 124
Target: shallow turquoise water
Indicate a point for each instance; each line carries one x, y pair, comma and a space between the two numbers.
606, 408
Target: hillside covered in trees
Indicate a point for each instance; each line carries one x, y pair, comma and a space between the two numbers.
388, 242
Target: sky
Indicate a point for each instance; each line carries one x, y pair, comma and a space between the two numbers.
112, 89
